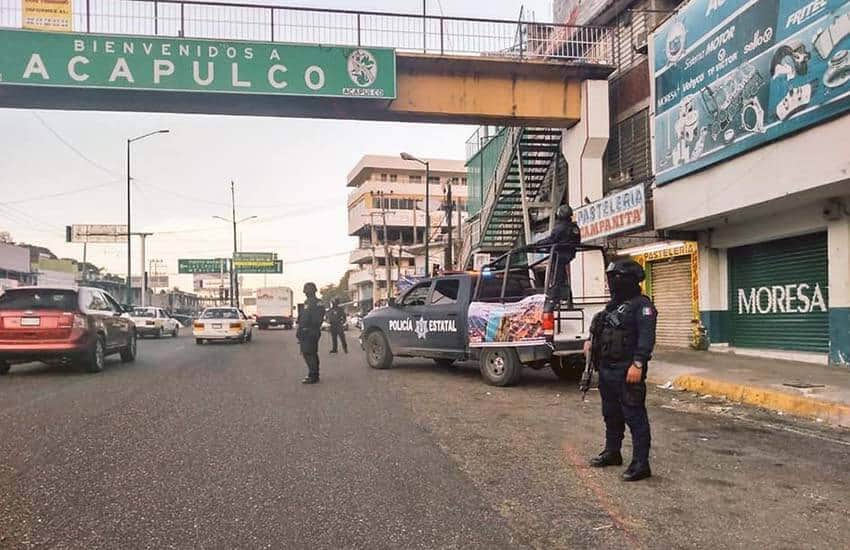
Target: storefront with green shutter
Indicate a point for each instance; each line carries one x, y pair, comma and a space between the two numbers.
778, 294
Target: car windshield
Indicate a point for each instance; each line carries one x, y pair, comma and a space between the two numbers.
143, 312
39, 298
220, 314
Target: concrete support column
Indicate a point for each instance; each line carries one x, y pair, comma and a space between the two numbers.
583, 147
713, 290
838, 235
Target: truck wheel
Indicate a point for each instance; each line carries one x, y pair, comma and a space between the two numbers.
378, 353
4, 367
500, 366
444, 363
568, 368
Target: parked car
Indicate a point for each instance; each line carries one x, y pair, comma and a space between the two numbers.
154, 321
223, 323
82, 325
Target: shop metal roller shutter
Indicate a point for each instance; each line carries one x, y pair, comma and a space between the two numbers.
763, 269
671, 292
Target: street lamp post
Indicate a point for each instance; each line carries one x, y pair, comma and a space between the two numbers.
129, 229
408, 156
234, 277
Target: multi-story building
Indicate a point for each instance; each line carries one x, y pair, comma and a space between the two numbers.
386, 213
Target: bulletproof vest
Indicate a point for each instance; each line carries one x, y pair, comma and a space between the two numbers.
615, 339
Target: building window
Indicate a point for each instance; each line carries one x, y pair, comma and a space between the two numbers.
393, 204
393, 177
434, 180
628, 158
463, 181
415, 179
383, 177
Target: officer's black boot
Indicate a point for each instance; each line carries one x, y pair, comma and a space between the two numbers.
637, 470
310, 380
607, 458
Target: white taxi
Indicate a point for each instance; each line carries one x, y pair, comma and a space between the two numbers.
222, 323
153, 321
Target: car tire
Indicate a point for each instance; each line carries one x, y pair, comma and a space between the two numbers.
378, 352
4, 367
128, 354
568, 369
176, 332
199, 341
445, 363
160, 333
500, 366
250, 335
96, 356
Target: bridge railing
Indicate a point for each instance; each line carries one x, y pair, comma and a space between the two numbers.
428, 34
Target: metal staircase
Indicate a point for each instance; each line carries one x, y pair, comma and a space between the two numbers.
526, 159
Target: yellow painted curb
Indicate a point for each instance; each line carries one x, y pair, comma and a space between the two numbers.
767, 398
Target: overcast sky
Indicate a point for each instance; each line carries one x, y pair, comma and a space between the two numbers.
289, 172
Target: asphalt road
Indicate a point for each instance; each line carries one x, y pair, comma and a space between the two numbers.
220, 446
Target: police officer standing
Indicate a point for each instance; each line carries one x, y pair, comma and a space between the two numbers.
336, 320
309, 331
623, 336
566, 235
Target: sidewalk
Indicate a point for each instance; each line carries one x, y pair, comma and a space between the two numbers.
800, 389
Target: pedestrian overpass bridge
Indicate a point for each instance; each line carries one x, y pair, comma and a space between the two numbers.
157, 56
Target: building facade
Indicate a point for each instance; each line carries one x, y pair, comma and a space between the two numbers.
386, 213
750, 122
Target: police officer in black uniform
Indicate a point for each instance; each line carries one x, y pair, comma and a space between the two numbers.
309, 331
623, 336
336, 320
567, 235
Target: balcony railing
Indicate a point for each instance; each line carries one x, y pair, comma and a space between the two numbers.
429, 34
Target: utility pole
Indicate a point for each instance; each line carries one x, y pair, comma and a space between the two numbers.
388, 261
144, 283
374, 260
235, 283
85, 250
449, 219
427, 164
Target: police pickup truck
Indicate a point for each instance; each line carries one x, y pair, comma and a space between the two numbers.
502, 316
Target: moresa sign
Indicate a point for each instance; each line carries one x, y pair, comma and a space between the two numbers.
616, 213
189, 65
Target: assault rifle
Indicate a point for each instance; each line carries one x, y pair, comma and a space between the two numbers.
587, 375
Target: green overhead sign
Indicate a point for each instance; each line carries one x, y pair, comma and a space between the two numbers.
258, 266
189, 65
257, 256
203, 265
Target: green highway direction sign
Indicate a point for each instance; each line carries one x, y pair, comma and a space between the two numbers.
207, 265
258, 256
258, 266
193, 65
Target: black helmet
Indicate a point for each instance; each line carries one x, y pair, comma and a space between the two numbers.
310, 288
564, 212
627, 267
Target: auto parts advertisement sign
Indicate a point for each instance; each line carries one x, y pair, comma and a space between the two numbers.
730, 76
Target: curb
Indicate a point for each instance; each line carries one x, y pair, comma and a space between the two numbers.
767, 398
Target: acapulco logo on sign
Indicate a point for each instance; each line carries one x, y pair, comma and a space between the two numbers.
363, 71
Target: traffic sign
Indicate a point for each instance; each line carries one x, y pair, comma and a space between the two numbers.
202, 265
256, 256
255, 266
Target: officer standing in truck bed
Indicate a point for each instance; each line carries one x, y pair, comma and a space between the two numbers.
623, 337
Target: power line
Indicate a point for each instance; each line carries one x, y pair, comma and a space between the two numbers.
61, 193
70, 146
